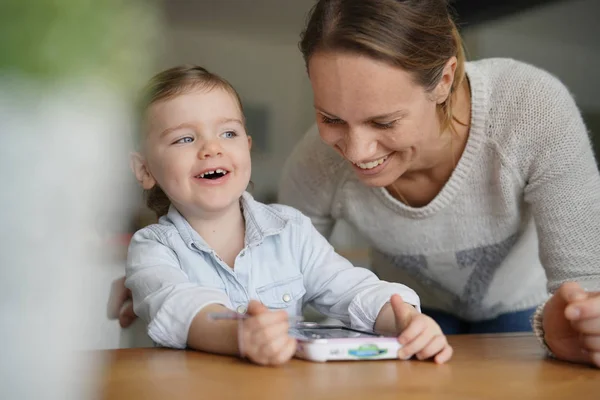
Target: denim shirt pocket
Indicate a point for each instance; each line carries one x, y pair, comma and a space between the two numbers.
282, 294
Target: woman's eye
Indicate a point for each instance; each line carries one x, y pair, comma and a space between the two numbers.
332, 121
381, 125
229, 134
187, 139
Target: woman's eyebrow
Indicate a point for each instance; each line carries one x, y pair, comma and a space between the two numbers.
391, 115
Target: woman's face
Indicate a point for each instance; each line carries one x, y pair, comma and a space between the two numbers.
374, 115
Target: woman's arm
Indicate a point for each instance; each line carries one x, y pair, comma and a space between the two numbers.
563, 190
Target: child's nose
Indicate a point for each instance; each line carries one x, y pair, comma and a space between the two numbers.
210, 149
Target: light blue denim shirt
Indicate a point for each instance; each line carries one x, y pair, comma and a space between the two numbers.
285, 264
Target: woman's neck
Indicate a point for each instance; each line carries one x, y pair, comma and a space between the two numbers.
446, 153
419, 187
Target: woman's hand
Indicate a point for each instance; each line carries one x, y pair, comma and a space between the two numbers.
263, 337
120, 304
571, 322
420, 335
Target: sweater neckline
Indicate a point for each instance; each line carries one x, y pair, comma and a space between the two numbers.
479, 100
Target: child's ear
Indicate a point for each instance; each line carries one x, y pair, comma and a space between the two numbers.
141, 171
249, 142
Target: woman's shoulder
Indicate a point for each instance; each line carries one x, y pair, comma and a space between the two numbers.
516, 83
528, 110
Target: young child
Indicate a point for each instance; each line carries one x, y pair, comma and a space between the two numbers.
217, 249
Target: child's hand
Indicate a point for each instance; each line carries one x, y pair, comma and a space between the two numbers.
264, 338
419, 334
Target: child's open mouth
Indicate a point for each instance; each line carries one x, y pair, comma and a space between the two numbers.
213, 174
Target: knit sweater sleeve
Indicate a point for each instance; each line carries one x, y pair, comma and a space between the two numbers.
309, 180
562, 184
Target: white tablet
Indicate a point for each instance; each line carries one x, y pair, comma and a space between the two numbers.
330, 342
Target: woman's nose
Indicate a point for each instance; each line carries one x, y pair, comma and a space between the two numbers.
359, 147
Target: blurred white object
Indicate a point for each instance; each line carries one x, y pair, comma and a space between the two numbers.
62, 168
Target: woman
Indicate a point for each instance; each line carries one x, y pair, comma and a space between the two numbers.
475, 183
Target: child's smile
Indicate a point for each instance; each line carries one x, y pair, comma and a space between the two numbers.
198, 151
215, 176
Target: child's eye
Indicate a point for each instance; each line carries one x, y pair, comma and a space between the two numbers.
187, 139
333, 121
229, 135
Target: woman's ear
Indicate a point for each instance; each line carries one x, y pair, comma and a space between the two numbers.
444, 86
140, 169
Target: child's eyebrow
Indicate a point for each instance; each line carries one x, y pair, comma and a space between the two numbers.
220, 121
226, 120
174, 128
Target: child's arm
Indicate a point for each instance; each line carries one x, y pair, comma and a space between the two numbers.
163, 295
356, 296
263, 337
338, 289
420, 335
177, 309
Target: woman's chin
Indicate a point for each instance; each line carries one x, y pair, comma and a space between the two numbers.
383, 179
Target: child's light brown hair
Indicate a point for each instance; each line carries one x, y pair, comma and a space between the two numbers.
169, 84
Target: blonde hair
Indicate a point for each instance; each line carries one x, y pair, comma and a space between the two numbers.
419, 36
169, 84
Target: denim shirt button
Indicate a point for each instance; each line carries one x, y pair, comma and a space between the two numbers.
287, 298
241, 309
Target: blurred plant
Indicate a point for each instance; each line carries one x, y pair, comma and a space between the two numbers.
50, 40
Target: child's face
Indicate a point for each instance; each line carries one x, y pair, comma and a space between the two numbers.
197, 151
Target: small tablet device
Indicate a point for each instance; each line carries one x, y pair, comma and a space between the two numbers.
331, 342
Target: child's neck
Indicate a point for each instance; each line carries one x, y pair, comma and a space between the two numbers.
224, 232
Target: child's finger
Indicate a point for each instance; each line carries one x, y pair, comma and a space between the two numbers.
418, 344
256, 307
265, 333
401, 318
444, 356
271, 348
287, 352
265, 319
412, 331
436, 345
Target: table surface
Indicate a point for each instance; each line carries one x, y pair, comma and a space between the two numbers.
502, 366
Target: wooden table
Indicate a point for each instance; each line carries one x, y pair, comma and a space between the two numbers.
484, 367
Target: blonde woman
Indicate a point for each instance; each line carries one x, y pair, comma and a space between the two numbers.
474, 182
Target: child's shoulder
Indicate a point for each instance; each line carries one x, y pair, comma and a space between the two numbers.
160, 232
282, 212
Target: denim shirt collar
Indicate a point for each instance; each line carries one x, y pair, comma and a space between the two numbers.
261, 221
